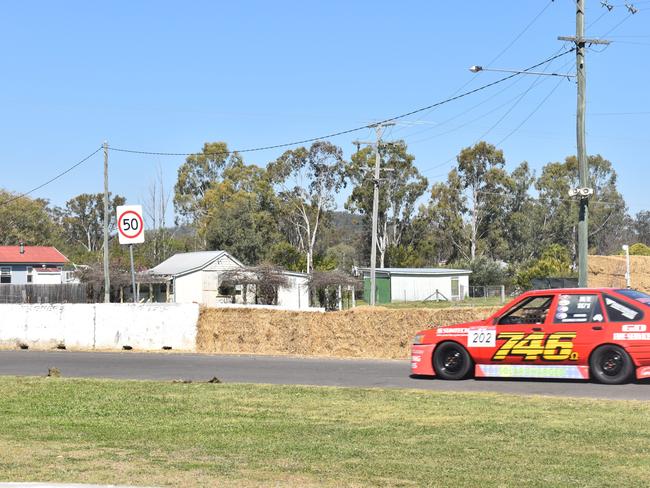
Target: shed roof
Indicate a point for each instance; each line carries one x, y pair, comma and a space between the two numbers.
31, 255
419, 271
187, 262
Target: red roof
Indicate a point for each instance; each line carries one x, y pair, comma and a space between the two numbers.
32, 255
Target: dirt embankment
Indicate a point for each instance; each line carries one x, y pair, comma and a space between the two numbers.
358, 333
609, 271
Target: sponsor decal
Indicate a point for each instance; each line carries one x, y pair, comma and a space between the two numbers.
632, 336
561, 316
532, 371
481, 337
598, 318
633, 327
554, 347
625, 311
563, 308
564, 302
451, 331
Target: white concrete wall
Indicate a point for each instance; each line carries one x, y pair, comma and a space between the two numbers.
100, 326
420, 287
296, 295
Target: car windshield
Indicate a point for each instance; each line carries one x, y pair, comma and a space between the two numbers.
638, 296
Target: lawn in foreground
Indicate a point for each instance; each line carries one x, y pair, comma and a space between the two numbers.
175, 434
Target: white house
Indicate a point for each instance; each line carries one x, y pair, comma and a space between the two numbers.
196, 277
417, 284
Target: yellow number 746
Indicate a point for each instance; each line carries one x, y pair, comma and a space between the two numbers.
554, 347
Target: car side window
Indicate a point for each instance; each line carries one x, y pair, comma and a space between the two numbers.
620, 311
532, 310
578, 308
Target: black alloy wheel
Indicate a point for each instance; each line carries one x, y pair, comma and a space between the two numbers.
451, 361
611, 365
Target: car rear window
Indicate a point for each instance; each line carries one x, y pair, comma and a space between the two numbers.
638, 296
621, 311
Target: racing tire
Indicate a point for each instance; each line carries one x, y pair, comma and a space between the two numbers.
451, 361
611, 365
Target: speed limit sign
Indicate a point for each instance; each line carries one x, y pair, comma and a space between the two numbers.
130, 225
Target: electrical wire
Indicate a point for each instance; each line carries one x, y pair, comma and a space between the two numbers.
502, 52
51, 180
535, 83
348, 131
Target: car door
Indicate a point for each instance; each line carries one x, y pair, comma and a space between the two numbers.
577, 324
520, 331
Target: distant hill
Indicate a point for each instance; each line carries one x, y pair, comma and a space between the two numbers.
343, 227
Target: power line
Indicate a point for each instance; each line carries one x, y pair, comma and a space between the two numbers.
348, 131
518, 99
51, 180
505, 49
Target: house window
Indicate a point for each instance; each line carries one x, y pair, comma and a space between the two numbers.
455, 287
5, 275
30, 274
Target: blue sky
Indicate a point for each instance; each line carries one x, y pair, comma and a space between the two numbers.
169, 76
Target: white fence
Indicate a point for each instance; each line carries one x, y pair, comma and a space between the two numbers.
100, 326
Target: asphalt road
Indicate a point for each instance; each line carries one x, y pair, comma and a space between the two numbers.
288, 371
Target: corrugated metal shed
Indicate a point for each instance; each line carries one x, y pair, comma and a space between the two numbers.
188, 262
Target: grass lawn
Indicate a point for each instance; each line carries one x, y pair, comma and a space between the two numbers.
469, 302
174, 434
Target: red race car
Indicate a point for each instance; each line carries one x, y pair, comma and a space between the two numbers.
577, 333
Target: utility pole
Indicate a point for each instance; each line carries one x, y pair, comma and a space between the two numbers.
379, 131
107, 278
584, 191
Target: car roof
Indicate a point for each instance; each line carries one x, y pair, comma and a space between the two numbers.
568, 290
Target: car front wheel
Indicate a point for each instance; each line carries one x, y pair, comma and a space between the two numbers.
611, 365
451, 361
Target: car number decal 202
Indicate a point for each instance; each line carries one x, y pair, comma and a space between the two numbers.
554, 347
481, 336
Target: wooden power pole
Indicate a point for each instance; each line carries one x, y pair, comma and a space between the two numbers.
107, 278
584, 191
379, 131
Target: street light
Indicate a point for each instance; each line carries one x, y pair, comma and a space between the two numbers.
626, 248
476, 69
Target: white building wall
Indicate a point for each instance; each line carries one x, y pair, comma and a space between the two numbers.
46, 278
296, 295
189, 288
420, 287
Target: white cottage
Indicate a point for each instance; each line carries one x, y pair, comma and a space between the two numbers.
196, 277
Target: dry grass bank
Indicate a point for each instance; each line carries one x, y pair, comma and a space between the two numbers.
359, 333
606, 271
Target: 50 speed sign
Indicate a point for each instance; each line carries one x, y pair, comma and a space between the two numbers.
130, 225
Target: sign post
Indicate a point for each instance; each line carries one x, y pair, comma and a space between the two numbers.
130, 226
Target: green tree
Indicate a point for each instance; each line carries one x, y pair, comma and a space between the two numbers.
309, 180
482, 177
241, 213
639, 249
196, 175
287, 256
641, 226
485, 271
555, 262
23, 219
82, 220
439, 231
399, 190
607, 209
